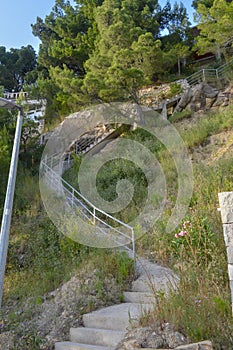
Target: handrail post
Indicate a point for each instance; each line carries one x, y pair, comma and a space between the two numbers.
94, 215
203, 74
7, 211
72, 200
133, 247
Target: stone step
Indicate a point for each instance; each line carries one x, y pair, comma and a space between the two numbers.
77, 346
117, 317
155, 278
139, 297
155, 284
95, 336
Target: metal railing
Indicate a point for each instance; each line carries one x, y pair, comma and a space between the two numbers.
120, 232
209, 74
89, 140
204, 75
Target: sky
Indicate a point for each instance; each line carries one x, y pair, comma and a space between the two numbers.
16, 17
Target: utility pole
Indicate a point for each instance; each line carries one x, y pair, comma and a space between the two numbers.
7, 211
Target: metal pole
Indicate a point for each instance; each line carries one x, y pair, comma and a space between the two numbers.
203, 74
6, 217
94, 215
133, 246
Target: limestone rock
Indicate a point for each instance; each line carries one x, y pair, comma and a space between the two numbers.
221, 100
184, 101
209, 91
226, 205
162, 336
203, 96
204, 345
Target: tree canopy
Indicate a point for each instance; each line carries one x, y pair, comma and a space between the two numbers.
103, 50
15, 65
216, 26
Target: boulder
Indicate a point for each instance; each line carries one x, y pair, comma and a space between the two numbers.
184, 101
220, 101
203, 96
209, 91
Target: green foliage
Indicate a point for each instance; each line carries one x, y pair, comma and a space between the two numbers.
207, 3
1, 91
201, 305
15, 65
175, 89
180, 115
215, 25
5, 147
103, 51
193, 243
208, 125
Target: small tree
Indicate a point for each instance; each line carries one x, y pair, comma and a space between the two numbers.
216, 27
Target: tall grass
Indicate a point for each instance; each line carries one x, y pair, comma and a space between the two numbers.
201, 307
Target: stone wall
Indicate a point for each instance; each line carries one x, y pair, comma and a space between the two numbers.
204, 97
226, 207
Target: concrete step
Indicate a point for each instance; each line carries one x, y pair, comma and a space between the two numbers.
117, 317
95, 336
139, 297
155, 278
77, 346
156, 284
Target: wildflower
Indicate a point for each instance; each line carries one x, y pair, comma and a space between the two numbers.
181, 233
176, 235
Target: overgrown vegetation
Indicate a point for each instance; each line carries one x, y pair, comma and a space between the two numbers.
105, 51
201, 306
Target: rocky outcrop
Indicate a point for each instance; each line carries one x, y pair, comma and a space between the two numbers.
204, 97
61, 309
154, 95
161, 337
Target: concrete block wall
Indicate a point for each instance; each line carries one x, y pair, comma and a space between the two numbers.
226, 208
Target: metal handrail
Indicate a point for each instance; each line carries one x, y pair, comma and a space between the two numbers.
206, 73
73, 195
200, 76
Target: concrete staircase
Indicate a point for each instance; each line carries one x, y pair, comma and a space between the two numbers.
105, 328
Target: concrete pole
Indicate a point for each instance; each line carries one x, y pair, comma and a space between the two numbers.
226, 208
7, 211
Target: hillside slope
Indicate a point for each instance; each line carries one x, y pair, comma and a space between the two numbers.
52, 281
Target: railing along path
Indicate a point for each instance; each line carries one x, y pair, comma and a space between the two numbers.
108, 225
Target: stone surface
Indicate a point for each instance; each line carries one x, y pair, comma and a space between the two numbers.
77, 346
228, 234
202, 97
209, 91
209, 102
204, 345
93, 336
230, 254
226, 206
139, 297
116, 317
161, 336
154, 278
231, 287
